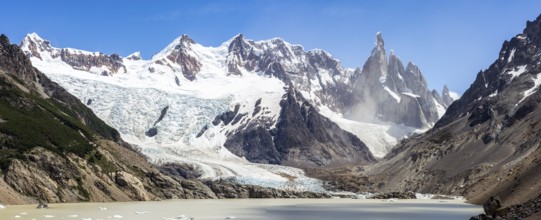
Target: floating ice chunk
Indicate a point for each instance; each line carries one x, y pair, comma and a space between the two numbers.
48, 216
181, 217
118, 216
142, 213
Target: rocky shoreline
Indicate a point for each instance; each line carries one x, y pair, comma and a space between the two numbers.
493, 210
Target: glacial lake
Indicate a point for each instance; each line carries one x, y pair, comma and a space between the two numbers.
294, 209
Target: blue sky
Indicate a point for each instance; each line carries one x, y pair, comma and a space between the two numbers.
449, 40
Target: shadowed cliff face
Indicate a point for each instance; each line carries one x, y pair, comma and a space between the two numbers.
488, 141
301, 137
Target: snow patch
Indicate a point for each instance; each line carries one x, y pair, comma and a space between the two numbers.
393, 94
400, 76
380, 137
454, 95
511, 55
411, 94
495, 93
531, 91
517, 71
439, 108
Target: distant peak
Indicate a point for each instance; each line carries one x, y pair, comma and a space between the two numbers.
445, 88
322, 53
4, 40
392, 55
319, 51
379, 40
187, 39
33, 35
379, 49
239, 36
134, 56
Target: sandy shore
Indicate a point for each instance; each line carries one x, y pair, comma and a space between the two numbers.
298, 209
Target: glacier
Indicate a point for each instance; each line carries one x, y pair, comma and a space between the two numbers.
131, 102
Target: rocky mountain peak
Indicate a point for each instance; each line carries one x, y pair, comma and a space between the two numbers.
34, 37
379, 50
446, 96
179, 56
533, 31
239, 46
415, 79
4, 40
185, 40
37, 46
134, 56
14, 62
389, 92
379, 40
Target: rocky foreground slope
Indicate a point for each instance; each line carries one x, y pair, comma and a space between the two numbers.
54, 149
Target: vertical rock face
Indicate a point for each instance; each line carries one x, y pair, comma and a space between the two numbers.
487, 143
387, 91
302, 137
446, 96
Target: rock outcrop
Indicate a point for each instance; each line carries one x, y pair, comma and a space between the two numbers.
301, 137
79, 60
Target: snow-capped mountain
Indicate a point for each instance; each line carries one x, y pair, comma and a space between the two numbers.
220, 108
386, 90
487, 143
